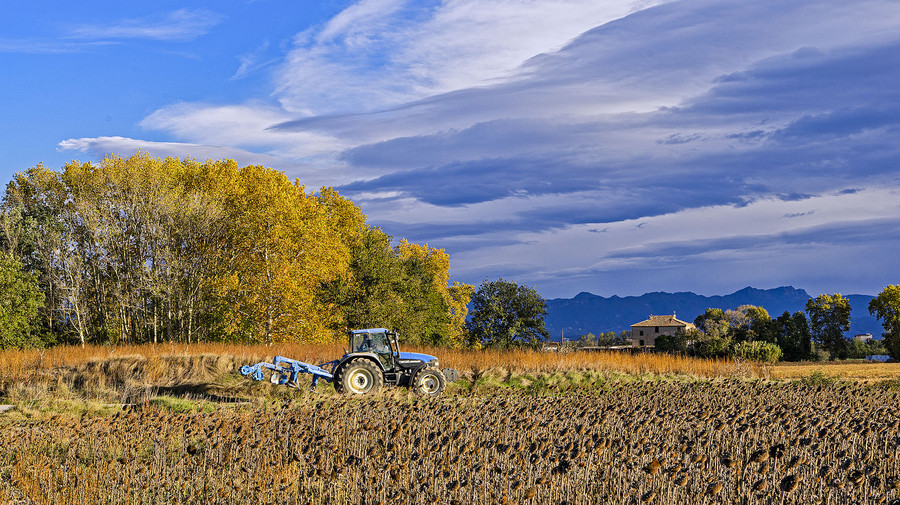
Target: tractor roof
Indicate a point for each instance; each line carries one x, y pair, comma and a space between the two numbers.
370, 330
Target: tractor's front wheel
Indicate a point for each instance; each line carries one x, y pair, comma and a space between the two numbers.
360, 377
429, 382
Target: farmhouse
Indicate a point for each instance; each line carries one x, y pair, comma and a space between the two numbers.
644, 333
863, 338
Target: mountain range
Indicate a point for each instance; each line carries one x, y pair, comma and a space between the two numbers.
589, 313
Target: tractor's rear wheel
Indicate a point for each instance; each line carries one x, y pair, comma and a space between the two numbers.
360, 377
429, 382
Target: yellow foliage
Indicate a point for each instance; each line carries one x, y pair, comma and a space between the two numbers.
145, 249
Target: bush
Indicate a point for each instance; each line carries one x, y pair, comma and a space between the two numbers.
757, 351
20, 303
708, 346
819, 353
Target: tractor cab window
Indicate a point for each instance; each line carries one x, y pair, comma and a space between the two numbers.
378, 343
359, 342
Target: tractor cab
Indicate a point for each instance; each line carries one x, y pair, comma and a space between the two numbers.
378, 341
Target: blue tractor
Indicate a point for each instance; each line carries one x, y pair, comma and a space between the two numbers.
373, 360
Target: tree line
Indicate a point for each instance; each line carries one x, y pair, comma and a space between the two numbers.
817, 333
140, 249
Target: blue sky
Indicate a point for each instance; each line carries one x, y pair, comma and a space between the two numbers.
615, 147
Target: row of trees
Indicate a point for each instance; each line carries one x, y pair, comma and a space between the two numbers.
817, 333
141, 249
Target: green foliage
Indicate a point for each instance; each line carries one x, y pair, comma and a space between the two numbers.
829, 318
886, 307
587, 340
681, 342
506, 315
611, 338
757, 351
793, 336
403, 288
712, 346
20, 303
713, 323
746, 323
859, 349
606, 339
817, 378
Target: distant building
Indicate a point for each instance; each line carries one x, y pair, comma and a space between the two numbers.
644, 333
862, 337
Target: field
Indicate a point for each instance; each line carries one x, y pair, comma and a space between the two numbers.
855, 371
518, 428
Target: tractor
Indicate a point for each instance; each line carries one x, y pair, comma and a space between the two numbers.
373, 360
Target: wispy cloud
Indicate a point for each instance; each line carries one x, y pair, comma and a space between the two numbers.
254, 61
179, 25
379, 53
43, 46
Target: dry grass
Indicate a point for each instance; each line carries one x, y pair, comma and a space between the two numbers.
68, 379
855, 371
166, 365
16, 364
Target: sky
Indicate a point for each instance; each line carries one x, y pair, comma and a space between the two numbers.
611, 146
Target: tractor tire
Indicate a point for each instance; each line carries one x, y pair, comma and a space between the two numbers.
359, 377
429, 382
338, 380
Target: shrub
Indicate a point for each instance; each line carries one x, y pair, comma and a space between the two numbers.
757, 351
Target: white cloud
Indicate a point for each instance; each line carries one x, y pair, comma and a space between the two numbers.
314, 173
380, 53
101, 146
179, 25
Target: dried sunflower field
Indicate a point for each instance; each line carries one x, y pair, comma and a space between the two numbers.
668, 442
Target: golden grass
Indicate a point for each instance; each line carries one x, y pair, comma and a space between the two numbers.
855, 371
610, 361
64, 377
16, 365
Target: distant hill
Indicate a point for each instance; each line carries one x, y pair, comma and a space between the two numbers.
588, 313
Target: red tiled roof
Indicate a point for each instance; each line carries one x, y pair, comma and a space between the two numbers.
663, 321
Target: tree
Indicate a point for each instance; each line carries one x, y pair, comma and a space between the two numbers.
714, 323
279, 250
680, 342
438, 308
792, 335
20, 304
587, 340
141, 249
859, 349
886, 307
506, 315
404, 288
829, 318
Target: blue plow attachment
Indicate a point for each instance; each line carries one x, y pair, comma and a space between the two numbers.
285, 371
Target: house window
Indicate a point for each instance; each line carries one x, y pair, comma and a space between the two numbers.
657, 329
642, 343
642, 334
